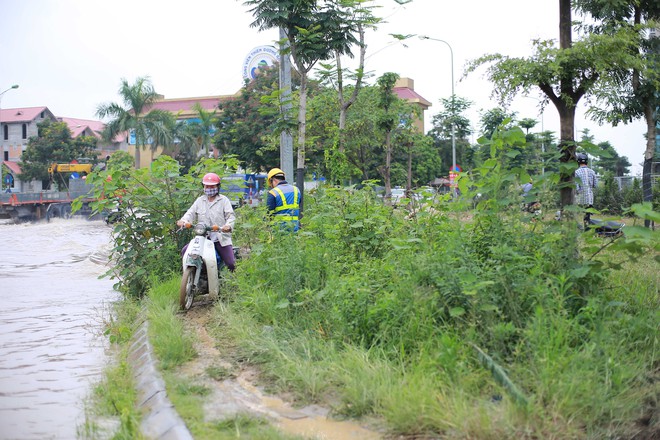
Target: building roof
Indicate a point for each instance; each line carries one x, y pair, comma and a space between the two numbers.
26, 114
183, 107
78, 126
411, 96
14, 167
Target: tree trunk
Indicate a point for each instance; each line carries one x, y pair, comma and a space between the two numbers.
565, 23
344, 105
386, 169
409, 180
137, 153
567, 149
647, 182
566, 111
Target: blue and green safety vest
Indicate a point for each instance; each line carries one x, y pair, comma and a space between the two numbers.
287, 205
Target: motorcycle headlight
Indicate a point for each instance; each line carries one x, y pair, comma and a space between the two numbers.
200, 229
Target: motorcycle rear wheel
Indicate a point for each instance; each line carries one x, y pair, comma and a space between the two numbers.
187, 290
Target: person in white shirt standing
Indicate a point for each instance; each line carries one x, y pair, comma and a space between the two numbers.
586, 182
211, 209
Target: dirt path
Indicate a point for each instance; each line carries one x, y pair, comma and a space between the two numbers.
233, 391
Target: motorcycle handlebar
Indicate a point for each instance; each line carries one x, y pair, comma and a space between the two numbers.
214, 228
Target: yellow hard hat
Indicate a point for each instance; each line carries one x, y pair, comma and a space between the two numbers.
275, 172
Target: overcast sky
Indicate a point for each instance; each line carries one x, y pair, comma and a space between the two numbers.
70, 55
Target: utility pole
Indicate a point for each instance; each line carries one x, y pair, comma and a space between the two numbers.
286, 140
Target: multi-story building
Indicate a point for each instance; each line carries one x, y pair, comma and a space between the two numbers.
18, 125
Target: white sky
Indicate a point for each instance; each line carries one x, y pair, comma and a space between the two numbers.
70, 55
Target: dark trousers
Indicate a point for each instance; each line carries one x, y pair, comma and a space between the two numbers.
225, 252
587, 215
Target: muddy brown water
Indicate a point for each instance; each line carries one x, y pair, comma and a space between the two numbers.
52, 307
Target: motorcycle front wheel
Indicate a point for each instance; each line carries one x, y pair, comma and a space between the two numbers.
187, 291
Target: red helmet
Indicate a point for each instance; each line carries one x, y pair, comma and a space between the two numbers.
211, 179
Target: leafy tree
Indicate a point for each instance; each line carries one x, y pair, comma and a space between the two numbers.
527, 124
564, 74
334, 74
120, 160
135, 115
53, 144
245, 123
441, 132
630, 93
316, 30
414, 150
387, 121
362, 150
611, 161
493, 119
608, 198
633, 194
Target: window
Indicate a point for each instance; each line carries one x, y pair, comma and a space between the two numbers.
5, 129
43, 114
24, 131
6, 158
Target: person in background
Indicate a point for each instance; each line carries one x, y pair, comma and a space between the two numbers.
211, 209
283, 201
586, 182
530, 205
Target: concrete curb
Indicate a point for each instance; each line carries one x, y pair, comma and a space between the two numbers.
160, 420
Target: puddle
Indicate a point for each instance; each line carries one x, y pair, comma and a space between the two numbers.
311, 421
239, 395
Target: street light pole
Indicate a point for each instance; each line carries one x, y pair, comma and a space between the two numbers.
2, 144
453, 122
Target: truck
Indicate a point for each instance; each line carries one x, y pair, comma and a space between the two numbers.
62, 172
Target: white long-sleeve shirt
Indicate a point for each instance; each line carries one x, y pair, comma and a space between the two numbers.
218, 212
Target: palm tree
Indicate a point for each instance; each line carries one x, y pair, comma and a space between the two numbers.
135, 115
204, 127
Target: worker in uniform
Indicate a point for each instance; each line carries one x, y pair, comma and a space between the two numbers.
283, 201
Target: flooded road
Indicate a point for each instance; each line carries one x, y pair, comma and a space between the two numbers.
51, 309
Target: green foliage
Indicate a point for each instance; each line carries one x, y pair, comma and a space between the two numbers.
120, 160
608, 197
535, 297
53, 145
245, 127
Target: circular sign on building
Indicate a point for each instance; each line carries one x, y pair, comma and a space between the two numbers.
258, 58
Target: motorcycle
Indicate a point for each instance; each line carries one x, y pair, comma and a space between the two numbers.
201, 266
604, 228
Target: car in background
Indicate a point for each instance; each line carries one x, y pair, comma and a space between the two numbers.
398, 194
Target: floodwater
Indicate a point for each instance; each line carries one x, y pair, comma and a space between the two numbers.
52, 306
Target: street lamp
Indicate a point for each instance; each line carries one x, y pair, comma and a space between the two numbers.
453, 137
2, 144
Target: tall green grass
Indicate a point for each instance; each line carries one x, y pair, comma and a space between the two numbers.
487, 328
